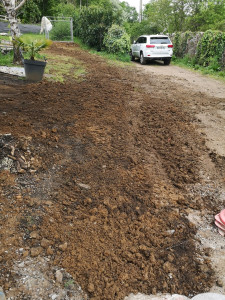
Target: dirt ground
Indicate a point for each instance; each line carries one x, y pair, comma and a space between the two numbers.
109, 184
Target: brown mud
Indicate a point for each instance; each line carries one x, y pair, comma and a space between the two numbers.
97, 178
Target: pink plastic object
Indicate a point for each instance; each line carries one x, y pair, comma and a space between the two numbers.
222, 227
221, 232
217, 218
222, 216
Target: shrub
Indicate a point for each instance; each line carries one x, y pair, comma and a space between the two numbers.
60, 31
92, 23
117, 40
211, 48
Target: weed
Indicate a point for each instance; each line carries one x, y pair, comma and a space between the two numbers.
69, 283
213, 69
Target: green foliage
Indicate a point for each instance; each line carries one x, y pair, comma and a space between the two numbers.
30, 12
32, 47
60, 31
125, 58
92, 24
180, 43
211, 48
6, 59
117, 40
182, 15
136, 29
130, 13
210, 52
189, 62
65, 10
33, 10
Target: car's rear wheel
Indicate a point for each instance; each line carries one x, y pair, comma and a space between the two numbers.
132, 58
167, 62
142, 59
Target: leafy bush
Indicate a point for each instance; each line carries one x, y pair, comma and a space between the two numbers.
64, 10
60, 31
117, 40
211, 48
92, 23
180, 41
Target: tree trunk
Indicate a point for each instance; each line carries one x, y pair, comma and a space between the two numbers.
15, 31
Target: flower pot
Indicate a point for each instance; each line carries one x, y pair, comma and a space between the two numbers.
34, 69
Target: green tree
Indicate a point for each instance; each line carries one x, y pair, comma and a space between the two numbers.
130, 12
93, 23
159, 14
116, 40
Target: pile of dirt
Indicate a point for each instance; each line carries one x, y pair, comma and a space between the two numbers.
106, 199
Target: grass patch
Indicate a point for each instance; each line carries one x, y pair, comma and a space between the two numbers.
119, 59
212, 70
59, 68
6, 59
4, 37
34, 36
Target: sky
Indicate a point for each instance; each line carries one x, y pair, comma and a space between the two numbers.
135, 3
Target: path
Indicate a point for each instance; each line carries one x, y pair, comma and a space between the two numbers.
108, 179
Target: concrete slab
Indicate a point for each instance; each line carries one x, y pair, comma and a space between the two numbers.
18, 71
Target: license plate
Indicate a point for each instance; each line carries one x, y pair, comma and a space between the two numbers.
160, 47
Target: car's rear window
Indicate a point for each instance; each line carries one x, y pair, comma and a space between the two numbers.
159, 40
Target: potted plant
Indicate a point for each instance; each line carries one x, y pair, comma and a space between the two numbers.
34, 69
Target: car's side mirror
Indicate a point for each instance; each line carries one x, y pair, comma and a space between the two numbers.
134, 42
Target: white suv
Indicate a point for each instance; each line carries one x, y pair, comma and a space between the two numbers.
152, 47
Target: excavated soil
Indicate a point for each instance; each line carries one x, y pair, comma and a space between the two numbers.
96, 175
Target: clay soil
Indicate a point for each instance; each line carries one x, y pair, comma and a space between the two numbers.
96, 176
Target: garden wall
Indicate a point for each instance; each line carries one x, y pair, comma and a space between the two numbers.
204, 48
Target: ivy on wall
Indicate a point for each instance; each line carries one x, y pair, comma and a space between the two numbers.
209, 47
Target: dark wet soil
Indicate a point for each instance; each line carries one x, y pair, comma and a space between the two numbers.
99, 168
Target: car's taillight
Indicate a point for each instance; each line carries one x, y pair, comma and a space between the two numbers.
170, 46
150, 46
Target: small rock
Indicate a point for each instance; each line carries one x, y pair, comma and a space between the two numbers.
36, 251
45, 243
219, 282
63, 247
25, 253
50, 251
91, 288
84, 186
34, 235
59, 276
54, 296
44, 134
21, 265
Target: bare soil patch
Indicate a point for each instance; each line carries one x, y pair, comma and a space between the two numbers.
100, 176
